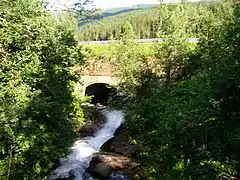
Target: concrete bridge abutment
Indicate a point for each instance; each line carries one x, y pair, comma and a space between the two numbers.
98, 87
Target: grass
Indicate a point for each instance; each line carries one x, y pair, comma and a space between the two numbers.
100, 49
107, 50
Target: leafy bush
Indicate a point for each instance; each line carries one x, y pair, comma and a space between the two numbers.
39, 112
129, 59
190, 127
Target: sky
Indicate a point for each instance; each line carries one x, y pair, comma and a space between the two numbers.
105, 4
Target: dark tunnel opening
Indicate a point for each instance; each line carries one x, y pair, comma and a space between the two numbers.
99, 92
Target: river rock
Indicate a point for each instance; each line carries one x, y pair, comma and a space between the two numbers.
121, 144
87, 176
56, 164
94, 122
120, 129
106, 147
105, 163
100, 169
116, 175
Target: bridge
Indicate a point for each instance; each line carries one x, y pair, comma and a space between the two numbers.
100, 78
98, 87
152, 40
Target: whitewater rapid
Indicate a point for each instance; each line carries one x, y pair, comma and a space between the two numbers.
82, 151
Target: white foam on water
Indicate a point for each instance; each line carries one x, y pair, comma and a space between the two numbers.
82, 151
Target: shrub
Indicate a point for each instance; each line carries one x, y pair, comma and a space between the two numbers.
39, 112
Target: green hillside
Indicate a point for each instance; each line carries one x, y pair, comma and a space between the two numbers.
115, 12
110, 24
143, 18
121, 10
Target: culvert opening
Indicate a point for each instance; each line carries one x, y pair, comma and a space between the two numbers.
99, 92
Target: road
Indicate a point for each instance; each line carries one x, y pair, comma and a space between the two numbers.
192, 40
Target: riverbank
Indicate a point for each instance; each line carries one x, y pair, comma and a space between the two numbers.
94, 122
83, 150
118, 158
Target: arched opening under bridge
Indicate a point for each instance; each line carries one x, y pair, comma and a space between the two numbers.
99, 92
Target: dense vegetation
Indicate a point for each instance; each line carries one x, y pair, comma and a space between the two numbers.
101, 14
144, 22
39, 111
188, 127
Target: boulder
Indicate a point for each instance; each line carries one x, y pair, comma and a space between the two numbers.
120, 129
100, 170
121, 144
56, 164
105, 163
94, 122
106, 146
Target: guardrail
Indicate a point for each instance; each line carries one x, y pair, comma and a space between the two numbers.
191, 40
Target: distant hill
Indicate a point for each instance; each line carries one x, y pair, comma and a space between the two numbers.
117, 11
143, 18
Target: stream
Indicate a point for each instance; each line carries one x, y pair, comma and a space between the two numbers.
75, 164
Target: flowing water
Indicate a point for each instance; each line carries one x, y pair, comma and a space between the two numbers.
82, 151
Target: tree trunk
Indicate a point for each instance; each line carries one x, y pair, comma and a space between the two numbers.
168, 75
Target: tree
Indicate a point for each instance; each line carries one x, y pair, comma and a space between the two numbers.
39, 110
129, 60
172, 28
189, 125
140, 21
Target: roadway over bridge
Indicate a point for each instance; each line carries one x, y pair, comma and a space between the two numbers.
191, 40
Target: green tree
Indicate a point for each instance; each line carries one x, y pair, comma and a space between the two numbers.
187, 127
39, 111
172, 28
129, 60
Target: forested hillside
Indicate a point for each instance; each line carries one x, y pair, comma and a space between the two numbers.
101, 14
144, 20
118, 11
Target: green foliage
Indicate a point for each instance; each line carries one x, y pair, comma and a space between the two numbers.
119, 10
39, 111
67, 19
145, 22
142, 21
189, 129
130, 61
98, 50
173, 26
108, 50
